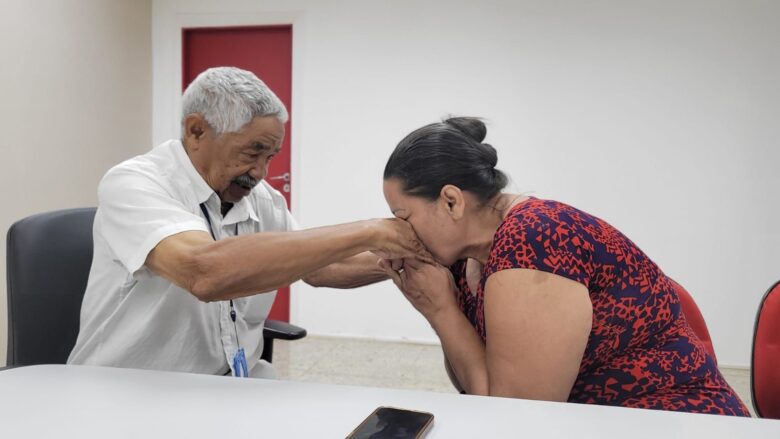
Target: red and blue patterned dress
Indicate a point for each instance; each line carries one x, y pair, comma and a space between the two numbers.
641, 351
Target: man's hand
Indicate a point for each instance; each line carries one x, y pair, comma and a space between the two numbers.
395, 239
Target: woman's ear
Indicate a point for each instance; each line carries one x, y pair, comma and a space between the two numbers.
453, 200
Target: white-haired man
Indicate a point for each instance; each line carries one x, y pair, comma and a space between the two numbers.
189, 241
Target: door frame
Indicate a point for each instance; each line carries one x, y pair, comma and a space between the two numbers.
167, 74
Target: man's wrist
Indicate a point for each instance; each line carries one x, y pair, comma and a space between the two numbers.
364, 235
370, 234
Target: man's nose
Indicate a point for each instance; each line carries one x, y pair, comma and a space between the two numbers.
259, 170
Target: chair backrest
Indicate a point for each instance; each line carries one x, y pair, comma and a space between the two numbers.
48, 260
765, 360
695, 319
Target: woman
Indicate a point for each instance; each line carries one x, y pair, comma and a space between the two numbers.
541, 300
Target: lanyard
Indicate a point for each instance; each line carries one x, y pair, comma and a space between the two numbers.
239, 360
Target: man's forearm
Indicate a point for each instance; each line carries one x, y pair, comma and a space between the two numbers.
228, 268
353, 272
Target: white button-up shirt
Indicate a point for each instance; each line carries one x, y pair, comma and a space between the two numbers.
133, 317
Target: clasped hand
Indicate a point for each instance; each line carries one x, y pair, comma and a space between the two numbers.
429, 287
396, 239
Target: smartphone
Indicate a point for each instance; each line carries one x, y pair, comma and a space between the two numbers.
391, 422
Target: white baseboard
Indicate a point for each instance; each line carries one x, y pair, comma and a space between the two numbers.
733, 366
429, 342
426, 342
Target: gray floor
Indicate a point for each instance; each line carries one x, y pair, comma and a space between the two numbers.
395, 365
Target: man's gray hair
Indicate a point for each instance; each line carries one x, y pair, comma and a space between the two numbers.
229, 98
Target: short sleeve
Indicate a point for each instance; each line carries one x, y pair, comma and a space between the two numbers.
292, 224
136, 213
533, 239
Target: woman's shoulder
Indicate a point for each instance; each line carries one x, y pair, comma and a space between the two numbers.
544, 235
549, 224
544, 206
538, 214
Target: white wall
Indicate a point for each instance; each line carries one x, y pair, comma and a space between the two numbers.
75, 87
658, 116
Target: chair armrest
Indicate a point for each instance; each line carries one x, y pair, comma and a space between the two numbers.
274, 329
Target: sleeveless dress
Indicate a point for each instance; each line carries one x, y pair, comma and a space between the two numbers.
641, 352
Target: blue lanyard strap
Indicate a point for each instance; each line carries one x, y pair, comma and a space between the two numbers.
240, 368
208, 220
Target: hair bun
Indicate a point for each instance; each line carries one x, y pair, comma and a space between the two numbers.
447, 152
489, 153
470, 126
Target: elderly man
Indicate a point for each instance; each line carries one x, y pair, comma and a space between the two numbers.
188, 236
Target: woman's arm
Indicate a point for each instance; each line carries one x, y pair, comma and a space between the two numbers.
538, 326
431, 290
537, 323
451, 375
464, 350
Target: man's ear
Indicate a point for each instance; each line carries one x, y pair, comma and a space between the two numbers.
453, 200
195, 127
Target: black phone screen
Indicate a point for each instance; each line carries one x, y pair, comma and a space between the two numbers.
392, 423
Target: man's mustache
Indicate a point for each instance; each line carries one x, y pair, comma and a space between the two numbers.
245, 181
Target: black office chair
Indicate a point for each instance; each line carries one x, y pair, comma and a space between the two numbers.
48, 260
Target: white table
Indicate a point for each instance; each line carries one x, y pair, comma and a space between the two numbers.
86, 402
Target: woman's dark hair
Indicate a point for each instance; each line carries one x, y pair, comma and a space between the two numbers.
448, 152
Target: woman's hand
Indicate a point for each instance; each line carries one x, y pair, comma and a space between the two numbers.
430, 288
395, 239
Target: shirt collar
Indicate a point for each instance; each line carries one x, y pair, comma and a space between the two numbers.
241, 211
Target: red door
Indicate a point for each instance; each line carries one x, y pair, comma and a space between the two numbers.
267, 52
